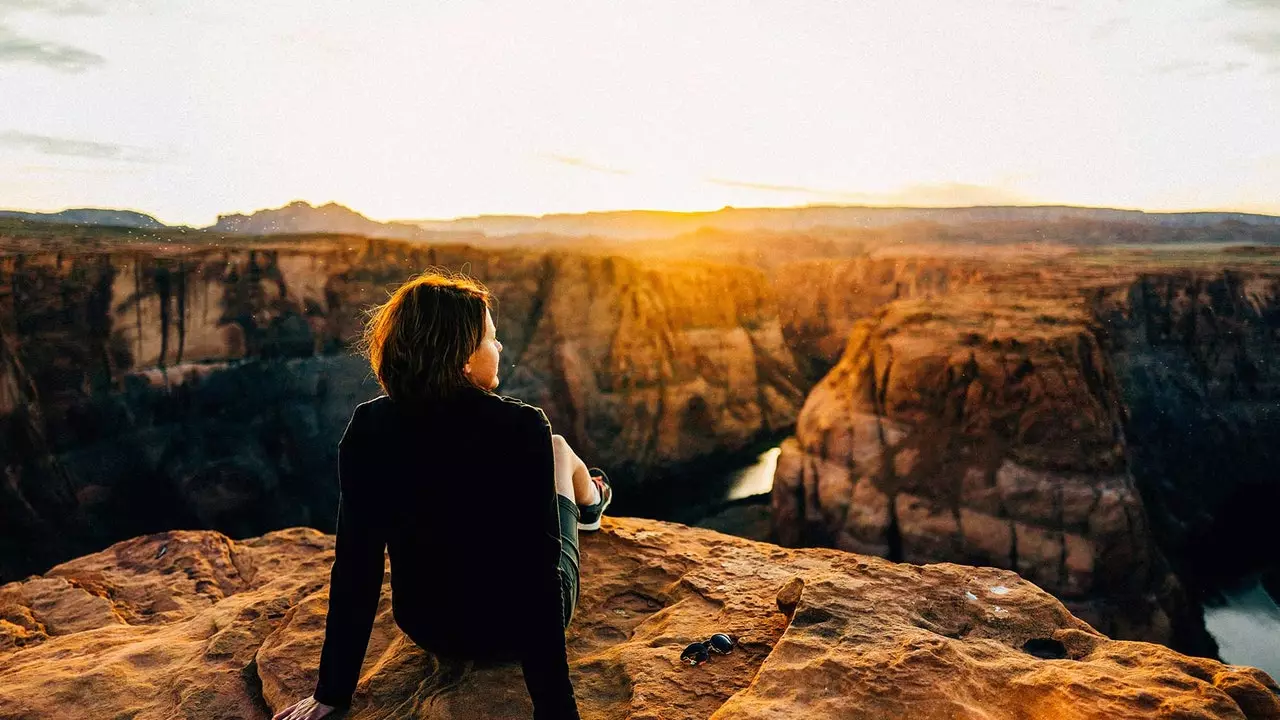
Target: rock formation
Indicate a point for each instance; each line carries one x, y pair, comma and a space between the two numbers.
205, 385
1196, 352
192, 624
983, 429
88, 216
820, 300
300, 216
1179, 364
649, 365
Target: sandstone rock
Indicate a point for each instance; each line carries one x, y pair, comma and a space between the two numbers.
219, 628
980, 428
651, 365
1188, 338
820, 300
1195, 351
789, 595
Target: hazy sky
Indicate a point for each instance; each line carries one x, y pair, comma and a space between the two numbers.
412, 109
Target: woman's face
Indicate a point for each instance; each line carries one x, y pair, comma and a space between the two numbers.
482, 367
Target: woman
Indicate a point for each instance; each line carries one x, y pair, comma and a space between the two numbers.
477, 503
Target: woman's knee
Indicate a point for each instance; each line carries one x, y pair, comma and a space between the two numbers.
564, 453
560, 445
564, 464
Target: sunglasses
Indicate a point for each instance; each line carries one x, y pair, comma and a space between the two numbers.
700, 652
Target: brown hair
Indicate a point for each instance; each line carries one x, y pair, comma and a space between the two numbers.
419, 339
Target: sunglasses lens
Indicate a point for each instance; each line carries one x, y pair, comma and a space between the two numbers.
721, 643
695, 654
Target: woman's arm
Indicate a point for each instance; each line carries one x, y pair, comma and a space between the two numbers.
545, 660
355, 582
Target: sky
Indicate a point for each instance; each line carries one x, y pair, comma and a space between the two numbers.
406, 109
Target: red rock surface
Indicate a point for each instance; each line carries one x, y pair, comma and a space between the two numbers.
820, 300
980, 428
191, 624
1005, 411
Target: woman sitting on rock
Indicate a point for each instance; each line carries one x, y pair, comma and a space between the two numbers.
477, 503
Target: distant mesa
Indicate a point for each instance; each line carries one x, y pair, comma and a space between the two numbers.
300, 216
648, 224
1076, 225
91, 216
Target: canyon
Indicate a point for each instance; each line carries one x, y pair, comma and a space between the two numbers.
1022, 407
153, 386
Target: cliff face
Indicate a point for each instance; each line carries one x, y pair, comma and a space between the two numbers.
645, 366
820, 300
1030, 405
1197, 357
243, 449
208, 386
190, 624
984, 430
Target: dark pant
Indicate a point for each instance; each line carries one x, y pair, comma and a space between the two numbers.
569, 556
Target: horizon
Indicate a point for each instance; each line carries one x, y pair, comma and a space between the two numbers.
461, 218
441, 112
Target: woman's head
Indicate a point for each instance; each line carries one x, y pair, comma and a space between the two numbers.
432, 337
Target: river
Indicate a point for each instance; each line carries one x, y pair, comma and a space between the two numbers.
1245, 621
756, 478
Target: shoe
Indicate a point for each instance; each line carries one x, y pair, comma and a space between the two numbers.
591, 514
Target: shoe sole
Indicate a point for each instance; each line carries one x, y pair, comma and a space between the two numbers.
596, 525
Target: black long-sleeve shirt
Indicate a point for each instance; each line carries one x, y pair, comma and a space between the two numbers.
462, 496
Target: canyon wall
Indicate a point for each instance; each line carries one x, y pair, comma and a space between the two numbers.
645, 366
162, 387
820, 300
983, 429
1197, 357
1079, 423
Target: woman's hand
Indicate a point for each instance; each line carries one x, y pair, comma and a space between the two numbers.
305, 709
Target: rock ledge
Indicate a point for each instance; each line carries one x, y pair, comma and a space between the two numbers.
192, 624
